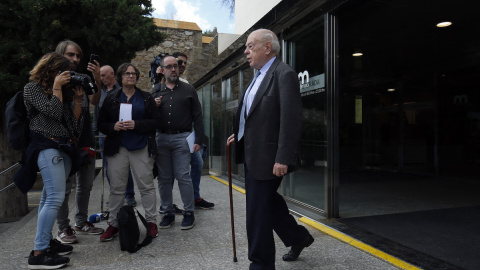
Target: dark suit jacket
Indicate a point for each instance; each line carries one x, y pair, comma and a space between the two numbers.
273, 126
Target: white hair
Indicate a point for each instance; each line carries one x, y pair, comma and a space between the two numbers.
269, 36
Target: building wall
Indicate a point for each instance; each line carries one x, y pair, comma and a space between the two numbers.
248, 12
186, 41
209, 58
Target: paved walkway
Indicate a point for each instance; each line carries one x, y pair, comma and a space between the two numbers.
208, 246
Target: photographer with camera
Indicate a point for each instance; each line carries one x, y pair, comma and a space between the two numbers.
86, 174
53, 133
156, 76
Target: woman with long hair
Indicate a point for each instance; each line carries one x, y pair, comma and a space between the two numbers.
54, 127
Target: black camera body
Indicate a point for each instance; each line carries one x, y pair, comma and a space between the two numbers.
82, 80
156, 77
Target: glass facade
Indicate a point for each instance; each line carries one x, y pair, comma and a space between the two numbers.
303, 51
390, 105
220, 113
409, 105
217, 128
391, 116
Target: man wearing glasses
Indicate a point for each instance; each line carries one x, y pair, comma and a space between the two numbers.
197, 160
179, 108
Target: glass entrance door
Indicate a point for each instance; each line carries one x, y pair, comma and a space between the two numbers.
304, 52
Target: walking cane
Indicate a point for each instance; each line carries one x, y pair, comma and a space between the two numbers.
231, 201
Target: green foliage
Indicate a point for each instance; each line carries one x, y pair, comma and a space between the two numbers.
112, 29
210, 33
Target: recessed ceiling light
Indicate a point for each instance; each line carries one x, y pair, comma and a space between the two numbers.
391, 90
357, 54
444, 24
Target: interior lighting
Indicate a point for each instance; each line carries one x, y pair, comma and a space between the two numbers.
444, 24
357, 54
391, 89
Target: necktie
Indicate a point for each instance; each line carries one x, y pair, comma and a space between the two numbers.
241, 127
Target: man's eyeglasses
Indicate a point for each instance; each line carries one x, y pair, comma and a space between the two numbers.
170, 67
130, 74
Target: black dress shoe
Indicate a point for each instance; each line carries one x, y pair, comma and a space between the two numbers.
295, 251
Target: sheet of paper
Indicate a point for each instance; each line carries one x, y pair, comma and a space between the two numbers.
125, 112
191, 141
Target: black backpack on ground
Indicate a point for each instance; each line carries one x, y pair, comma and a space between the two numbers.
128, 230
17, 120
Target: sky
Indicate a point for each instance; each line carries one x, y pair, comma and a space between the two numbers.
205, 13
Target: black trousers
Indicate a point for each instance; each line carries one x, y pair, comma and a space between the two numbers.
267, 211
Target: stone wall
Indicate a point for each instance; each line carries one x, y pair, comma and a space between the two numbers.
186, 41
209, 60
206, 61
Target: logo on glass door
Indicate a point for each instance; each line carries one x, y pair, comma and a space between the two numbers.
305, 79
313, 86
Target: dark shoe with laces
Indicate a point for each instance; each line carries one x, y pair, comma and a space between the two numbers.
177, 210
202, 204
59, 248
188, 220
67, 236
295, 251
89, 228
167, 220
47, 260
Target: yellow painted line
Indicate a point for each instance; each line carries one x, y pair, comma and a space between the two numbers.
237, 188
342, 237
36, 193
353, 242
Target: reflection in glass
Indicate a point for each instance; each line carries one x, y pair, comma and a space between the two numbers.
305, 53
217, 127
206, 114
429, 125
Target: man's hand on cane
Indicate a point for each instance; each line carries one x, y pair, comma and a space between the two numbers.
231, 139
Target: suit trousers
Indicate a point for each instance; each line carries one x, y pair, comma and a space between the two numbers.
267, 211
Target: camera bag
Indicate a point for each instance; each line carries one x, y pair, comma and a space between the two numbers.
17, 120
128, 230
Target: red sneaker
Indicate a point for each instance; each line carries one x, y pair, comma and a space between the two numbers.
153, 229
109, 234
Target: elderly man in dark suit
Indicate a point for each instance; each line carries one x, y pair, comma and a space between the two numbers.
267, 134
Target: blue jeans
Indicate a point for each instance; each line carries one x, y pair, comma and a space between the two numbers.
54, 166
129, 191
174, 159
196, 165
